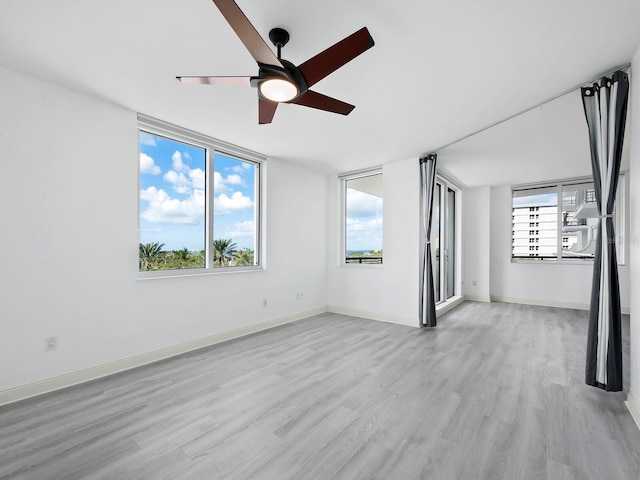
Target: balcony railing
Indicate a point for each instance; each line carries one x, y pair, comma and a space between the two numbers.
368, 259
573, 222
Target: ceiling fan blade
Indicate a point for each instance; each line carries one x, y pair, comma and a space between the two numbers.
266, 110
240, 81
322, 102
334, 57
252, 40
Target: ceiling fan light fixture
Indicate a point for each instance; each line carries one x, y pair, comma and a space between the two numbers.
278, 90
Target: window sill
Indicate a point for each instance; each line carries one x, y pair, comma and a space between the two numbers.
552, 262
160, 274
362, 265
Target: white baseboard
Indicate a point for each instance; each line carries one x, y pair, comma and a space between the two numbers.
547, 303
409, 322
634, 407
93, 373
478, 298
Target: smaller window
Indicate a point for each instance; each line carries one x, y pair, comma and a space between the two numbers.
363, 200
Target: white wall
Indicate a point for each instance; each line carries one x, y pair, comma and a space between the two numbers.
476, 241
68, 210
537, 283
633, 134
388, 292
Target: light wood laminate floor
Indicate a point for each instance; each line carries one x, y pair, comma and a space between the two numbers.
494, 392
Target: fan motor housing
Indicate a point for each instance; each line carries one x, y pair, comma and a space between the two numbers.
290, 72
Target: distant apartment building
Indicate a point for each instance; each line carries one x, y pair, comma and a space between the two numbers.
535, 231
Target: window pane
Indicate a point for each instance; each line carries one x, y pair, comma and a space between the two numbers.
579, 221
535, 223
172, 204
363, 222
451, 245
435, 241
234, 212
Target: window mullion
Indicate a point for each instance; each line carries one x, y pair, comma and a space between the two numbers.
209, 194
559, 223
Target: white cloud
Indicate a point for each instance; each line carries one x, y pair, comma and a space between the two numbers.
360, 204
223, 204
162, 208
147, 139
182, 178
357, 225
364, 234
147, 165
218, 182
242, 168
234, 179
240, 230
179, 182
197, 178
178, 165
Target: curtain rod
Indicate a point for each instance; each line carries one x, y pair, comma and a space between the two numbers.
555, 97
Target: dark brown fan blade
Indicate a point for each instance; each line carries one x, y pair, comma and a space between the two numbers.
241, 81
266, 110
252, 40
318, 67
322, 102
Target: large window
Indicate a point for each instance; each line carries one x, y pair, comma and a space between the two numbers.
363, 218
198, 203
558, 221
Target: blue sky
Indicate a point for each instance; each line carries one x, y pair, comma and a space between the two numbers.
172, 195
537, 200
364, 221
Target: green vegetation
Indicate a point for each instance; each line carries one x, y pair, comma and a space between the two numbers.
225, 254
364, 256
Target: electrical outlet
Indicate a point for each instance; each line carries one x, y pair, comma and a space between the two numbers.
50, 343
264, 302
474, 283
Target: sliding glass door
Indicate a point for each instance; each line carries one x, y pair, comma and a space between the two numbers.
443, 240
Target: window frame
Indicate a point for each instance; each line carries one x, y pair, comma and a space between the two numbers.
619, 225
342, 230
211, 146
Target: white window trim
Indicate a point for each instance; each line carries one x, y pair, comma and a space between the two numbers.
620, 220
342, 233
210, 144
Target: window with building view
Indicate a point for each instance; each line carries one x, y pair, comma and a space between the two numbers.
363, 218
198, 206
557, 221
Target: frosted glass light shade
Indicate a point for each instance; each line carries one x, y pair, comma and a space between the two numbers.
278, 90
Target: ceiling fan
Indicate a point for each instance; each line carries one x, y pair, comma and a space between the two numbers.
278, 80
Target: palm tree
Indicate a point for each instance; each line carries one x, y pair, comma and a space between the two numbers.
245, 257
150, 253
223, 251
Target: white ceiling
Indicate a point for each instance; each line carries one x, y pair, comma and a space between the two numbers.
439, 71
